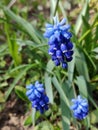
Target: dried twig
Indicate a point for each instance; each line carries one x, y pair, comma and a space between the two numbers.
12, 2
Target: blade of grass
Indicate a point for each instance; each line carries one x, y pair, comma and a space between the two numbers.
82, 86
19, 76
60, 90
65, 115
81, 64
79, 19
23, 23
48, 87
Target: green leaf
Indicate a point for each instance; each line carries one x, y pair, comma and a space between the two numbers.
79, 19
87, 123
63, 10
33, 116
93, 128
96, 33
81, 64
83, 89
24, 24
3, 48
93, 102
61, 92
45, 125
90, 59
50, 66
21, 92
19, 76
17, 68
48, 87
52, 9
28, 121
71, 67
15, 52
94, 117
95, 50
32, 44
88, 36
88, 32
84, 35
13, 46
65, 115
2, 99
82, 86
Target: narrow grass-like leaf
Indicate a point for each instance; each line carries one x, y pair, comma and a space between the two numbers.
50, 65
60, 90
93, 127
3, 47
90, 59
45, 125
13, 47
54, 6
21, 92
66, 113
94, 116
63, 10
87, 123
33, 116
88, 37
81, 64
95, 50
93, 102
32, 44
82, 86
79, 19
87, 32
71, 67
28, 121
17, 68
65, 116
48, 83
2, 100
83, 89
23, 23
48, 87
19, 76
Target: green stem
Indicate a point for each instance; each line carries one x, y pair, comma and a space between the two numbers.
87, 123
33, 116
56, 6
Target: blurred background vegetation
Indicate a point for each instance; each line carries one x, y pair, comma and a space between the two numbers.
24, 59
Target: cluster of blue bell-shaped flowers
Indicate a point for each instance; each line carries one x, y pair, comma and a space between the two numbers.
80, 107
36, 94
60, 46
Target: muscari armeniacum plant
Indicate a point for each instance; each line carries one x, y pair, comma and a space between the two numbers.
61, 51
59, 41
36, 94
80, 107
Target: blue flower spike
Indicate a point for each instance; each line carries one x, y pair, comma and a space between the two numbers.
60, 46
36, 94
80, 108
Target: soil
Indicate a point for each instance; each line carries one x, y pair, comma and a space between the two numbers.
13, 115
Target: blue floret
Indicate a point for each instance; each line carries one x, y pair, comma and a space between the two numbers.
80, 108
60, 46
36, 94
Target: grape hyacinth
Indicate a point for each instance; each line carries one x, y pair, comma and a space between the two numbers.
60, 46
79, 108
36, 94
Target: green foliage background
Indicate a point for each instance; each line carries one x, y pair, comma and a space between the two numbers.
24, 59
